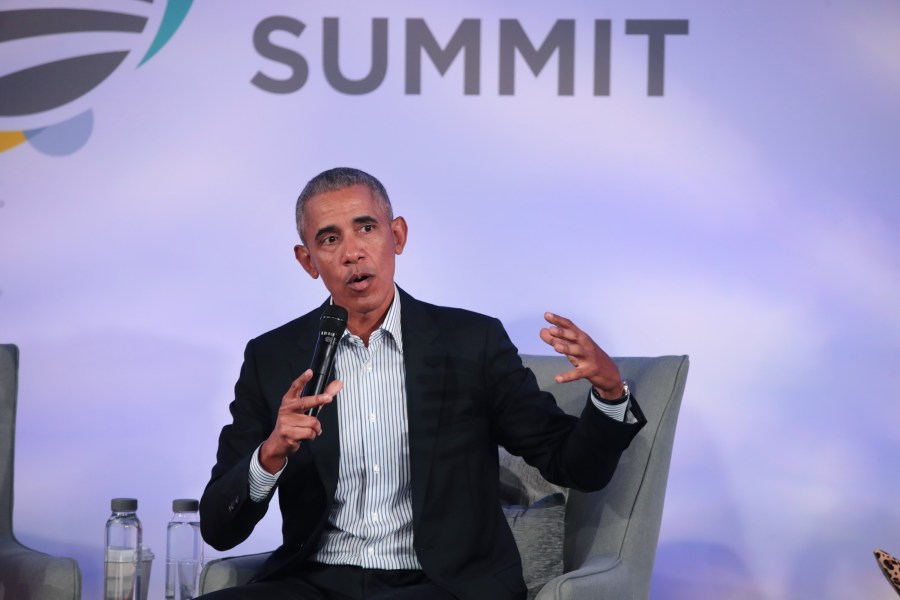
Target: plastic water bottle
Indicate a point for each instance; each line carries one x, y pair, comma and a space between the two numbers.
184, 550
122, 577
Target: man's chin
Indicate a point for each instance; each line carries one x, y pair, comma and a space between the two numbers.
365, 302
360, 303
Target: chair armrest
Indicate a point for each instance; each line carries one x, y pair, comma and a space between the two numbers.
230, 571
27, 573
601, 576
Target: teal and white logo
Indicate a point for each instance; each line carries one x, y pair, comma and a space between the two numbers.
53, 58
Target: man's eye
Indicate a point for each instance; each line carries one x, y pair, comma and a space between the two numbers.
368, 227
329, 239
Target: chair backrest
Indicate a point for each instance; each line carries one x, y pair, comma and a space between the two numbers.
623, 519
9, 385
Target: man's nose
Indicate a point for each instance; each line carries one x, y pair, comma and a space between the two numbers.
353, 251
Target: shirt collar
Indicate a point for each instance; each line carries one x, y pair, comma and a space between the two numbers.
391, 323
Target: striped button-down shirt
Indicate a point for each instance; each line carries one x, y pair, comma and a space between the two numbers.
370, 523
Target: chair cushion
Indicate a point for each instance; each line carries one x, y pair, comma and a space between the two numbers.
538, 530
536, 512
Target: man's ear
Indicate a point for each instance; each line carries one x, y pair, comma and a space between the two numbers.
301, 253
400, 231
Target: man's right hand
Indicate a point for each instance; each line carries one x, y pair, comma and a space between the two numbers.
293, 424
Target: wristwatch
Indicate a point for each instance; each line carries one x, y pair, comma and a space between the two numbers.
626, 394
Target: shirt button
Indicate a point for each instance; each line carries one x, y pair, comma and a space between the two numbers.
377, 469
375, 516
372, 417
371, 551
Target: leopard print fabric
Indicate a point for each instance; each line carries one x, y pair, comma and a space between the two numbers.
890, 566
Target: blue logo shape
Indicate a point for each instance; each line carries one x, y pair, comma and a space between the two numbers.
56, 83
176, 11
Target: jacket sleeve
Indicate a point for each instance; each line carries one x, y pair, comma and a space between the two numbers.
227, 513
580, 453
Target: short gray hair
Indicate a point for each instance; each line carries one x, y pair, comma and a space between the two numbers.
336, 179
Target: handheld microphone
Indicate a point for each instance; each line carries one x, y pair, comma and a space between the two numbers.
331, 328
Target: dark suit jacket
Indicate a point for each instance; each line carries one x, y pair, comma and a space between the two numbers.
467, 392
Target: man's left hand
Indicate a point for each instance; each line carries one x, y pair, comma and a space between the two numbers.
589, 359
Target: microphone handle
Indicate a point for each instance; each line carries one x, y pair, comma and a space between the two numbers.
322, 366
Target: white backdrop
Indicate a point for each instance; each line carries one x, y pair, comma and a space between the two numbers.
746, 217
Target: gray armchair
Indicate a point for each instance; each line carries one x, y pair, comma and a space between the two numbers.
609, 537
25, 574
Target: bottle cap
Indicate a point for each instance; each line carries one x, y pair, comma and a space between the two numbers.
123, 504
185, 505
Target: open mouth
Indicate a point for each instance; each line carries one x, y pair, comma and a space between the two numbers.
359, 280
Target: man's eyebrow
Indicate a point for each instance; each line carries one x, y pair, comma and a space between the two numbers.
364, 220
324, 230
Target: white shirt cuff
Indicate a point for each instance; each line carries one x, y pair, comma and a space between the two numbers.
261, 481
613, 411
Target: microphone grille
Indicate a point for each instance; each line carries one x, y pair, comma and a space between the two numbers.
334, 320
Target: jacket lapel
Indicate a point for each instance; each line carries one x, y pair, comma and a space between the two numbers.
426, 363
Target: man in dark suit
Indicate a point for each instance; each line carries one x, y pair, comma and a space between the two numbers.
392, 490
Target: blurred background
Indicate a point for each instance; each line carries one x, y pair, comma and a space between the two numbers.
712, 179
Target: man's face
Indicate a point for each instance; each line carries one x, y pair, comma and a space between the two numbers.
351, 243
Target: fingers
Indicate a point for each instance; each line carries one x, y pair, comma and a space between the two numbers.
565, 337
293, 425
297, 385
589, 360
293, 401
290, 431
558, 343
559, 321
334, 387
293, 430
573, 375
